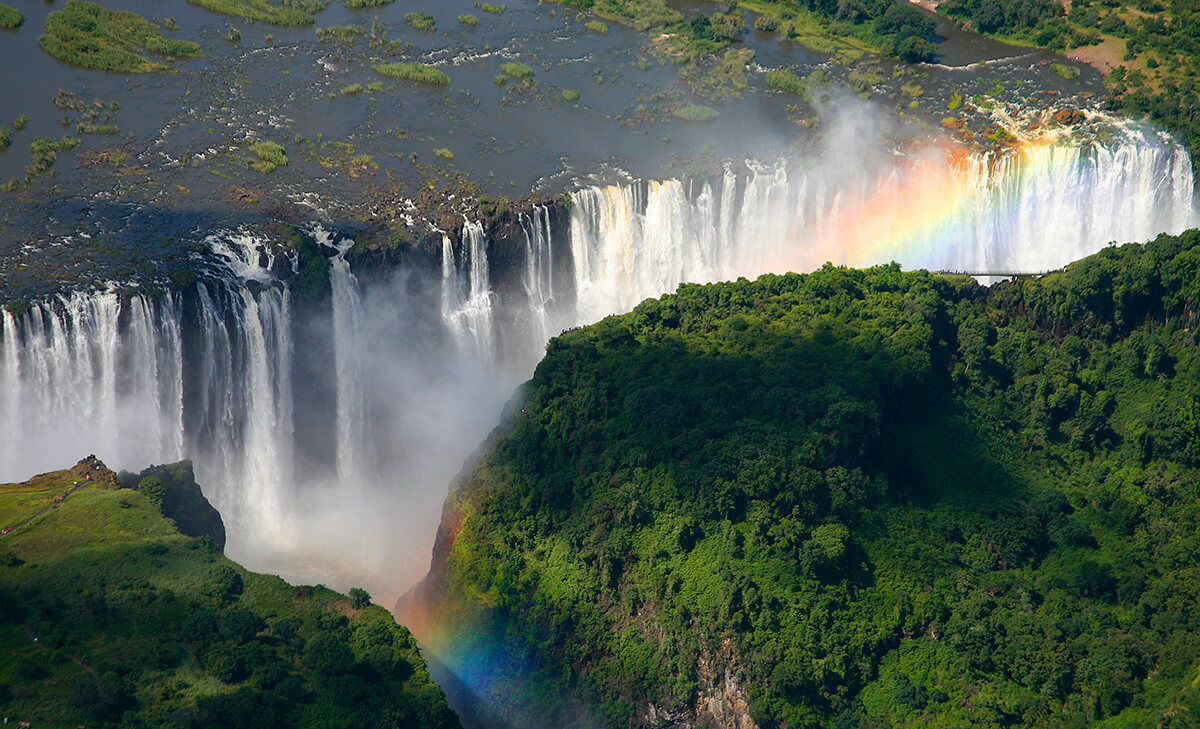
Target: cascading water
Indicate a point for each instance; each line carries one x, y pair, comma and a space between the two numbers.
466, 296
1032, 210
75, 380
348, 348
210, 373
538, 280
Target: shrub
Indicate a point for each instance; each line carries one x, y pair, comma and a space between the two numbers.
359, 4
570, 95
242, 625
328, 656
468, 20
417, 72
489, 8
10, 17
359, 598
154, 490
20, 122
270, 156
697, 113
785, 80
443, 153
517, 71
599, 27
766, 23
421, 21
199, 625
339, 33
225, 583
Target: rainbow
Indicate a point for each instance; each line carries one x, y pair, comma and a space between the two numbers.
1037, 204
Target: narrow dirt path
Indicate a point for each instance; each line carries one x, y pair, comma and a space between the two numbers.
74, 659
18, 525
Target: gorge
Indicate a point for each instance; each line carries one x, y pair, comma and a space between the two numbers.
774, 364
306, 412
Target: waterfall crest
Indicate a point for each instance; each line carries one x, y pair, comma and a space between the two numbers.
1033, 210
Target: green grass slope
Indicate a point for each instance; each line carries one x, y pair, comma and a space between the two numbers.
852, 498
109, 616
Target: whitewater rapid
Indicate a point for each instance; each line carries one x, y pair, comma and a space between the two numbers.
329, 460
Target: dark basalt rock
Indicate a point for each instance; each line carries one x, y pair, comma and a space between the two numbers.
183, 501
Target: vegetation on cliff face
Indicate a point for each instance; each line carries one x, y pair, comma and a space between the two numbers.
173, 489
868, 498
109, 616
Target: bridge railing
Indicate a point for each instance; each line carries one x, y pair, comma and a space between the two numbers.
996, 274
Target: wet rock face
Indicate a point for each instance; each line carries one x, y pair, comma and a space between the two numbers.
183, 501
1069, 117
720, 701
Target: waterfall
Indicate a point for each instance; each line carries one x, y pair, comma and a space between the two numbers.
1035, 209
75, 378
241, 423
348, 350
538, 280
266, 455
211, 373
466, 296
